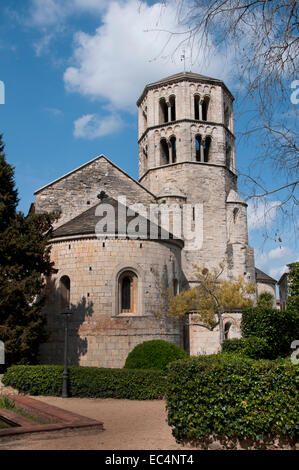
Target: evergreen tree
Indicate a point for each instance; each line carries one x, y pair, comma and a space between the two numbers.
293, 287
8, 194
24, 263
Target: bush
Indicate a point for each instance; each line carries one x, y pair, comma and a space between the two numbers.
277, 328
253, 347
154, 355
86, 382
230, 396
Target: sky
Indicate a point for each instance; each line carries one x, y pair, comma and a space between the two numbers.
73, 71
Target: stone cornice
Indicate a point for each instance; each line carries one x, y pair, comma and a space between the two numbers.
192, 121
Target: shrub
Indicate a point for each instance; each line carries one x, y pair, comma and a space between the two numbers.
277, 328
265, 300
86, 382
252, 346
230, 396
154, 355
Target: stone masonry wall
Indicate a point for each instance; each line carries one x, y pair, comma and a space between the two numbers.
78, 191
99, 336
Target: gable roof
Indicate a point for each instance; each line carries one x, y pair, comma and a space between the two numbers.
263, 277
86, 224
99, 157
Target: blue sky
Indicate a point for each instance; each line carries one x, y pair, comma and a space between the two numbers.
73, 71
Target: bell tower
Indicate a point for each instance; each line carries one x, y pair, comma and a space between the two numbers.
187, 156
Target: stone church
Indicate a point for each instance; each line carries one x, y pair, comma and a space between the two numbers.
107, 270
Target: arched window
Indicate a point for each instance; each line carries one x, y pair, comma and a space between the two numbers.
204, 109
228, 155
128, 292
196, 107
226, 116
226, 330
173, 148
65, 291
198, 143
206, 149
172, 108
164, 148
163, 111
145, 158
175, 287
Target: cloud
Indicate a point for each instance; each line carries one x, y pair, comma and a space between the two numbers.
262, 213
44, 13
131, 48
280, 252
91, 126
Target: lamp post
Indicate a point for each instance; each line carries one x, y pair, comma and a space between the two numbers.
66, 313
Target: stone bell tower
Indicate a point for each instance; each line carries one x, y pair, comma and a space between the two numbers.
187, 156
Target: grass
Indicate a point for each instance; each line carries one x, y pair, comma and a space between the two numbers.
8, 404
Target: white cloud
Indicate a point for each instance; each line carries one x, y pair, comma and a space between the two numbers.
45, 13
127, 51
280, 252
261, 213
91, 126
276, 273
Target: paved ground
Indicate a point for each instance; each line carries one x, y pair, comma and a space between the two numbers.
128, 424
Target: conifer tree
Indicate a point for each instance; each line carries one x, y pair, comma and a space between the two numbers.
8, 194
24, 263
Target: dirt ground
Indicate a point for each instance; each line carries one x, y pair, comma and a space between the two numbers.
128, 425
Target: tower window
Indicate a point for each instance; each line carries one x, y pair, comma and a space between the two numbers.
228, 155
65, 290
196, 107
206, 149
128, 292
173, 148
226, 116
204, 109
172, 108
164, 152
163, 111
198, 147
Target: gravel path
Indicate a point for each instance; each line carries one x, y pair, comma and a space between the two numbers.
128, 424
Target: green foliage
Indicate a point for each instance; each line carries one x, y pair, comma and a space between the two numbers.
254, 347
154, 355
265, 300
8, 194
6, 403
232, 397
293, 287
90, 382
278, 328
24, 260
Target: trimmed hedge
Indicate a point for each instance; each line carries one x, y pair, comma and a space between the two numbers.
278, 328
154, 355
229, 396
253, 347
87, 382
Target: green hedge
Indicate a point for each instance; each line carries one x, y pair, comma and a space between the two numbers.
253, 347
154, 355
278, 328
87, 382
232, 397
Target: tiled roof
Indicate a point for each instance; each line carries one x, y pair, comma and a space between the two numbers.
85, 224
261, 276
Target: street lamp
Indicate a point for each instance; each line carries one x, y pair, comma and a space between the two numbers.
66, 313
